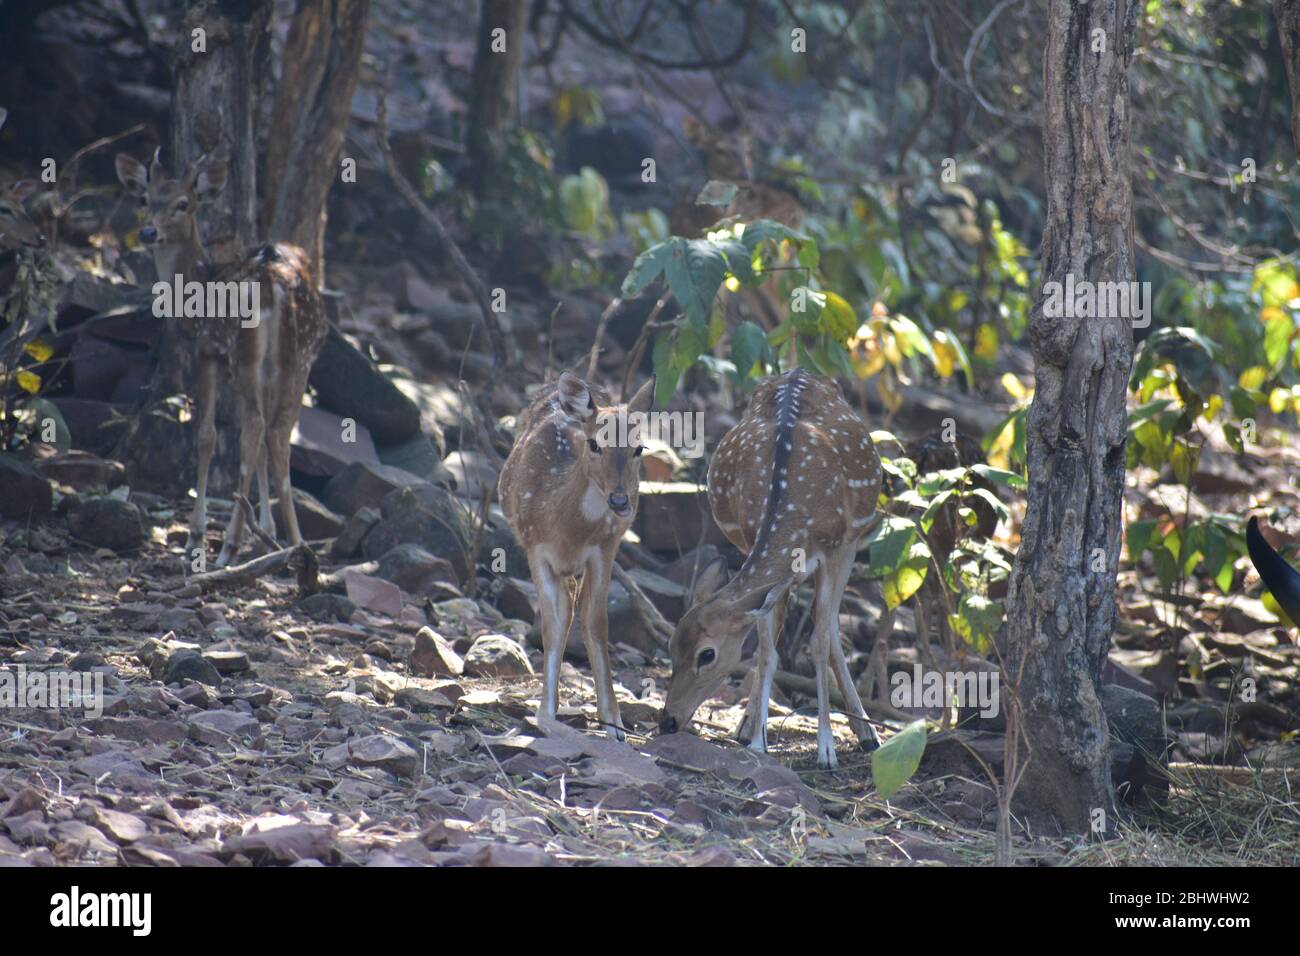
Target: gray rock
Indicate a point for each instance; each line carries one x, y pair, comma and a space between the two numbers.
81, 470
108, 523
23, 492
502, 541
327, 607
315, 521
414, 569
433, 656
428, 516
348, 384
1140, 749
190, 665
495, 655
362, 484
227, 662
354, 532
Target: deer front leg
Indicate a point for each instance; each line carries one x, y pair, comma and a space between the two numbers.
593, 600
206, 440
277, 450
556, 611
252, 434
265, 519
753, 729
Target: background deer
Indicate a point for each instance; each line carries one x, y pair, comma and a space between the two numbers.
268, 360
16, 227
795, 485
570, 495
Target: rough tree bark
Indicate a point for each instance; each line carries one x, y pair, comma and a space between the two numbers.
1061, 601
1288, 28
313, 102
214, 100
494, 99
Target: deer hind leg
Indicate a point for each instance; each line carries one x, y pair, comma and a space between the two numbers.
278, 438
753, 728
593, 604
857, 714
206, 400
265, 519
252, 434
556, 610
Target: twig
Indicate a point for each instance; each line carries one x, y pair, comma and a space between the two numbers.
600, 334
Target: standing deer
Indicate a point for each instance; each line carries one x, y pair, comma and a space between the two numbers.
268, 358
795, 485
569, 492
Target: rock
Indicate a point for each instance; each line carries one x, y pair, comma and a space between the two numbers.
348, 384
362, 485
666, 595
190, 665
327, 607
425, 515
293, 843
108, 523
324, 444
474, 473
373, 594
495, 655
23, 491
83, 471
354, 532
433, 656
387, 753
414, 569
517, 599
315, 521
212, 726
1138, 767
227, 662
500, 545
675, 516
420, 457
443, 410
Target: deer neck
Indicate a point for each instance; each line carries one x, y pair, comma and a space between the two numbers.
182, 258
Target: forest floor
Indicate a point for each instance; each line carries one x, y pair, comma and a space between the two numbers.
313, 742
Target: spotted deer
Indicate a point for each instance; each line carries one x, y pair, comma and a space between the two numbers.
794, 484
266, 358
569, 490
16, 228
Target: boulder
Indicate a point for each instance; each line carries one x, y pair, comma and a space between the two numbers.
433, 656
349, 384
414, 569
425, 515
23, 491
362, 485
108, 523
495, 655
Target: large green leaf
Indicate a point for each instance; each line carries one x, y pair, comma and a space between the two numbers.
893, 764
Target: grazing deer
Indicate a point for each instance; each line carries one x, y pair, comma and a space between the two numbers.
795, 485
569, 490
268, 357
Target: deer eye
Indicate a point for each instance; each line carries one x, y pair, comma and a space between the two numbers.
706, 657
593, 445
183, 205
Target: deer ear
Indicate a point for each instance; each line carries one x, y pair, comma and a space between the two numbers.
132, 174
643, 398
575, 397
210, 177
710, 579
759, 602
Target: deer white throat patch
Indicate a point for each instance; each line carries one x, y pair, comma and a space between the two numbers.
594, 504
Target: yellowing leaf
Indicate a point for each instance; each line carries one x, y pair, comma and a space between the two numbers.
986, 342
1014, 387
945, 356
1253, 377
39, 349
29, 382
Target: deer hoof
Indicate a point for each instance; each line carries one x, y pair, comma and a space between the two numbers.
826, 759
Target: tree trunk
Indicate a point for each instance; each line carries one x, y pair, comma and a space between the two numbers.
313, 102
214, 100
1061, 600
494, 96
1288, 28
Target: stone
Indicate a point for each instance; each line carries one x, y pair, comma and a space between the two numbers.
190, 665
414, 569
23, 491
474, 473
495, 655
212, 725
349, 384
373, 594
503, 554
327, 607
387, 753
227, 662
354, 532
315, 521
83, 471
362, 484
323, 445
108, 523
433, 656
425, 515
1140, 748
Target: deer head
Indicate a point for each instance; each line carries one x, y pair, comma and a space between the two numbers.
171, 205
610, 458
712, 638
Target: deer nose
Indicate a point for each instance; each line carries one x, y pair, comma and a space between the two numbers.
668, 724
148, 234
618, 501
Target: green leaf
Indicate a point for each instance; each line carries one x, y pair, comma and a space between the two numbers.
694, 269
890, 542
893, 764
1008, 478
1138, 536
748, 345
666, 375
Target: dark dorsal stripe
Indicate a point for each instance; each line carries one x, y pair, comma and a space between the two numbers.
787, 400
